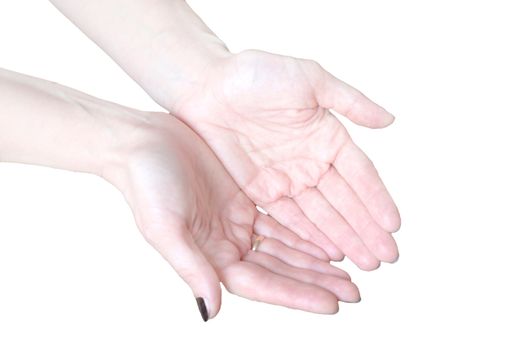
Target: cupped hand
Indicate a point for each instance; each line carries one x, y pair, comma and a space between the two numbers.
267, 119
189, 208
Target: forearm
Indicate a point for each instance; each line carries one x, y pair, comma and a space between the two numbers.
48, 124
162, 44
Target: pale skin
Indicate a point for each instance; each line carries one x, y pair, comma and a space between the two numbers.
266, 117
184, 201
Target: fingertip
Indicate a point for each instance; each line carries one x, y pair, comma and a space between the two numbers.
392, 117
387, 249
380, 120
355, 294
335, 309
389, 255
336, 255
332, 308
326, 302
350, 294
209, 306
210, 294
340, 273
320, 301
214, 310
385, 213
322, 255
389, 119
391, 221
368, 264
364, 259
367, 113
394, 260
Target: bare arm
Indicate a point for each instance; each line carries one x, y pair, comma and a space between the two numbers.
162, 44
48, 124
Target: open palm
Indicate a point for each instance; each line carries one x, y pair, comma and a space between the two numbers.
188, 207
267, 119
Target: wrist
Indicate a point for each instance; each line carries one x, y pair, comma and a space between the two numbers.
119, 133
182, 67
179, 52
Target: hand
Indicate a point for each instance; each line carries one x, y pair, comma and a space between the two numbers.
193, 213
265, 116
267, 119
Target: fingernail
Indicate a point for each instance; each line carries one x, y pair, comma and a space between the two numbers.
202, 308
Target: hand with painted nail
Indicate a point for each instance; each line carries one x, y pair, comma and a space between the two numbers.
190, 209
184, 202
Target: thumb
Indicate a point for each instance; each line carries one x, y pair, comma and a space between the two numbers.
177, 246
332, 93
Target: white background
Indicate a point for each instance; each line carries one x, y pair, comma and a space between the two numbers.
76, 274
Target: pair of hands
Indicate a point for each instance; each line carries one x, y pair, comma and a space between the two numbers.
273, 143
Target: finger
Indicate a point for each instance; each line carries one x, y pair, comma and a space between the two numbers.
328, 220
289, 214
268, 227
177, 246
343, 289
254, 282
299, 259
332, 93
341, 196
359, 172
